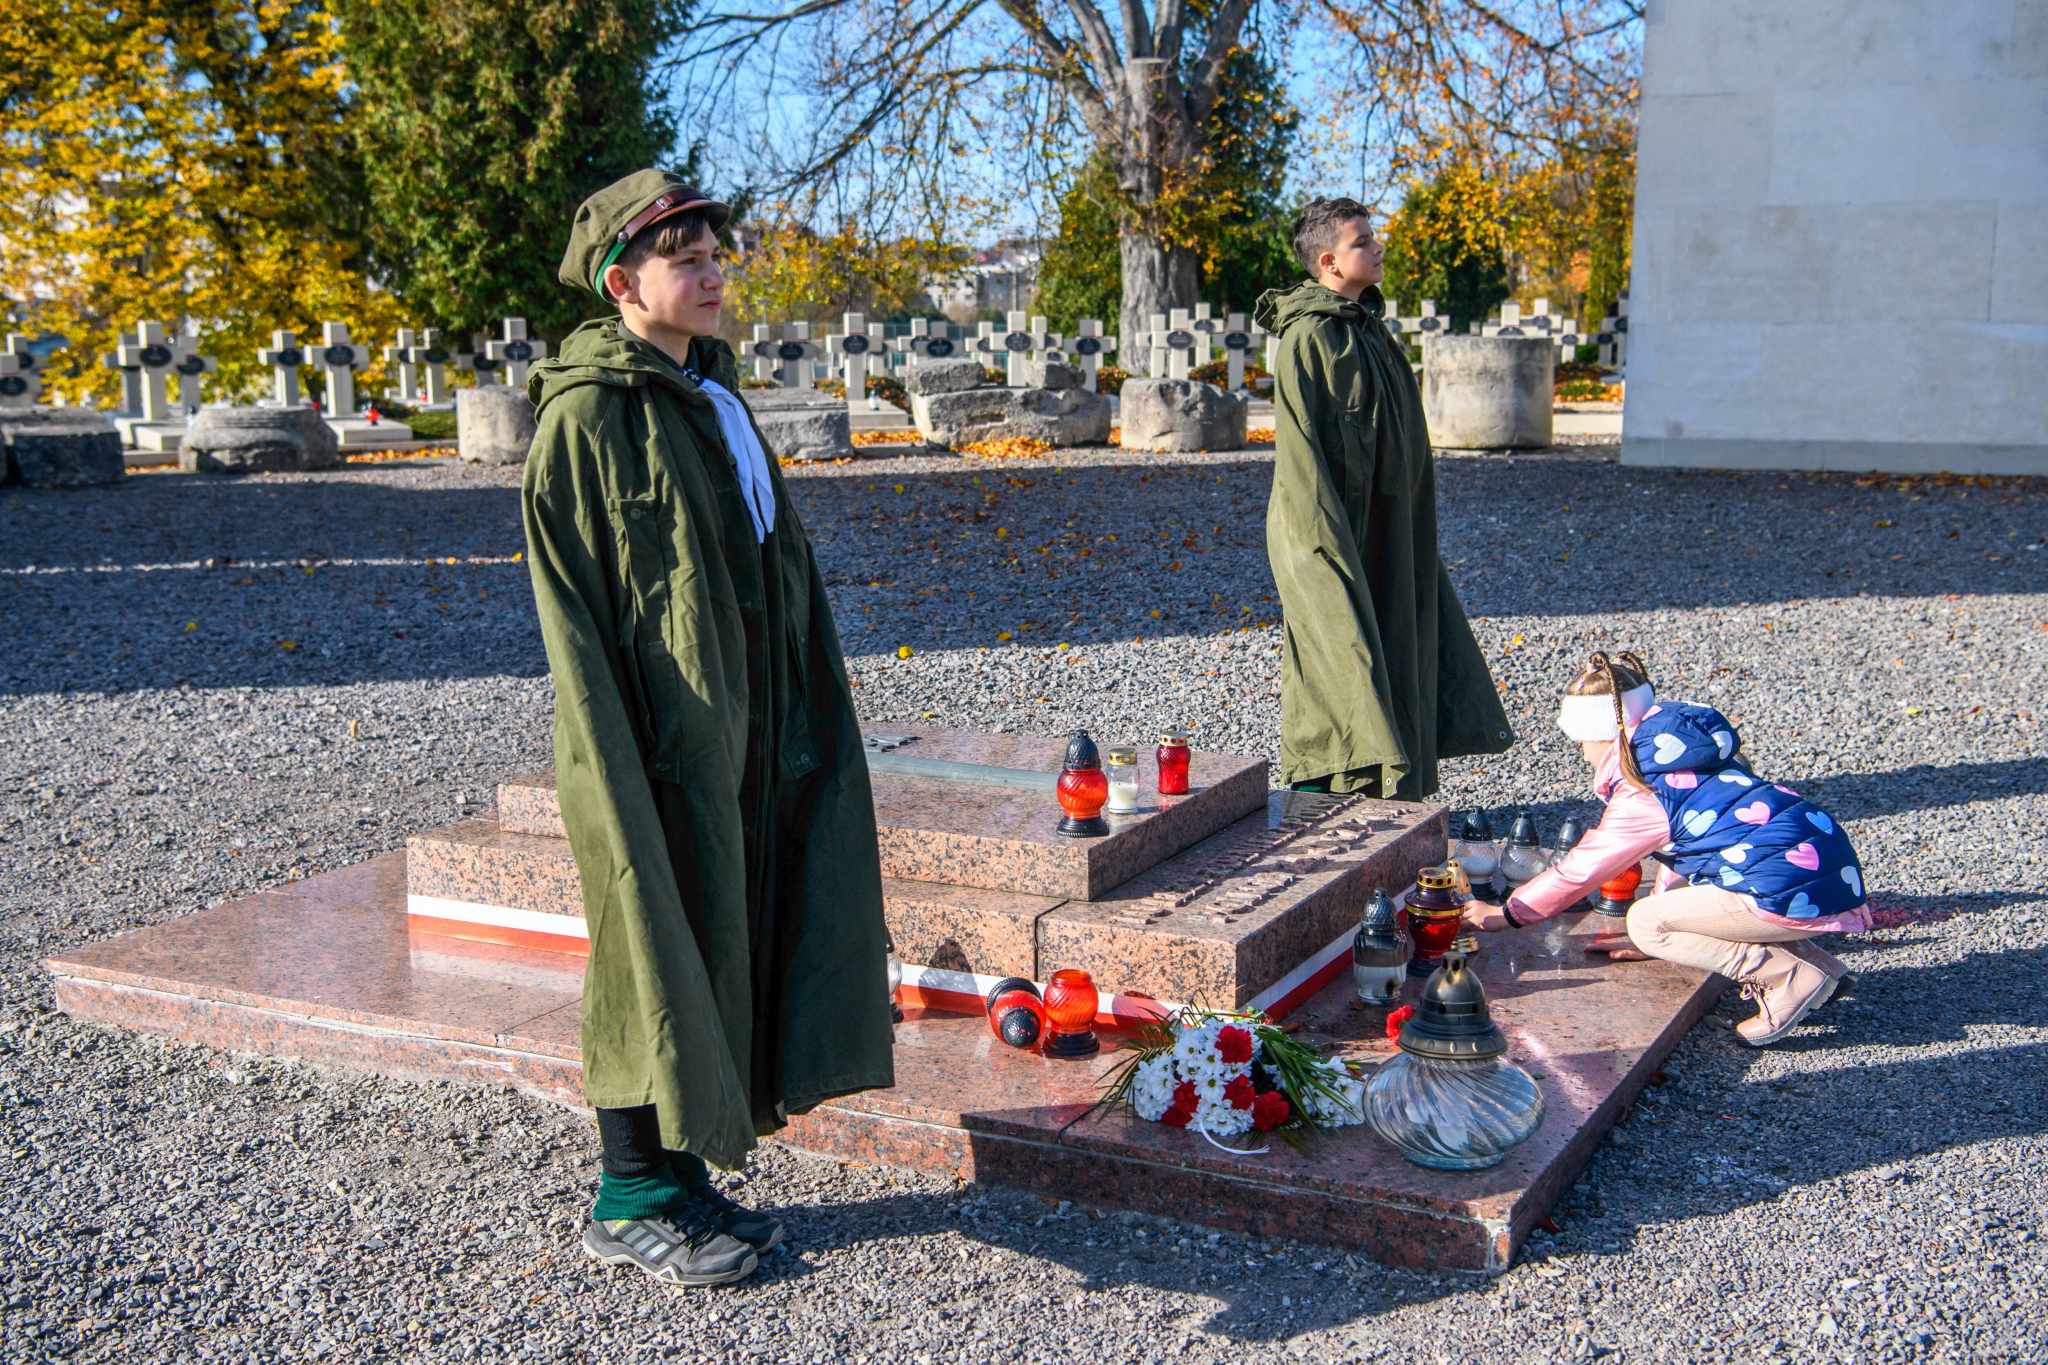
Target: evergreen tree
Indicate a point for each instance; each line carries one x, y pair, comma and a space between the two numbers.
481, 124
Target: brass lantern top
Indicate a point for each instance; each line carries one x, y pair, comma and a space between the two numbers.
1452, 1022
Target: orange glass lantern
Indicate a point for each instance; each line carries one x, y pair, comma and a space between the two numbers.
1618, 892
1435, 916
1172, 757
1070, 1003
1083, 789
1015, 1013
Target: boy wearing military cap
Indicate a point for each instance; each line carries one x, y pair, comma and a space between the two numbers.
706, 750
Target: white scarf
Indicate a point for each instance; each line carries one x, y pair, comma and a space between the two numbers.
750, 462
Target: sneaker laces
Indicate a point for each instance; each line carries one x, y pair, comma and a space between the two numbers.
690, 1225
709, 1200
1754, 989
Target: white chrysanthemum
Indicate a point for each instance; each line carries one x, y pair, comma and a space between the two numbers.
1209, 1087
1343, 1110
1195, 1044
1219, 1119
1152, 1087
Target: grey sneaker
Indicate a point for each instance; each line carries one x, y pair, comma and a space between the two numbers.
686, 1249
757, 1230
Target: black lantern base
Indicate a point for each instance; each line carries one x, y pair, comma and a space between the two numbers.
1611, 908
1092, 828
1069, 1046
1424, 966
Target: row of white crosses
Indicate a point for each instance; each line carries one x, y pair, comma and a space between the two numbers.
1020, 341
339, 358
19, 382
147, 359
787, 355
1181, 340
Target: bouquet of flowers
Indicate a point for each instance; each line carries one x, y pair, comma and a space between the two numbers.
1222, 1074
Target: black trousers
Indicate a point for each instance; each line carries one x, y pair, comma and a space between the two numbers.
632, 1147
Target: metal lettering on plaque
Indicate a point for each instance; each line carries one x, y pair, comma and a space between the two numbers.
1180, 341
884, 762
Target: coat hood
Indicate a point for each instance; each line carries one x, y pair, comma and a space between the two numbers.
1279, 309
603, 352
1676, 736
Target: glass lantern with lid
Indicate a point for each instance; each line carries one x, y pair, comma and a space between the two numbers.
1477, 853
1120, 762
1082, 790
1523, 857
1172, 756
1447, 1100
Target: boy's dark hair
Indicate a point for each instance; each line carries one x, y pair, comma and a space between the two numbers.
668, 238
1319, 224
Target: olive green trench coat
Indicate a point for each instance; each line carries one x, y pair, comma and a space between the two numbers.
708, 760
1382, 677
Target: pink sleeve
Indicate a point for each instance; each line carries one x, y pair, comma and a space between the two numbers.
1633, 827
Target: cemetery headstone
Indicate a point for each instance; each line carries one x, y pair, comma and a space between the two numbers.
927, 340
192, 368
515, 352
1488, 393
131, 377
1089, 347
1236, 340
285, 358
21, 380
1613, 335
164, 437
860, 351
398, 355
1016, 345
1172, 344
1205, 327
477, 360
431, 359
66, 447
153, 357
337, 358
268, 438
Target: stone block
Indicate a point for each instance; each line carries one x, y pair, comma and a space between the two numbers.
59, 448
1058, 417
1053, 374
494, 424
257, 441
801, 424
1182, 414
1488, 393
944, 376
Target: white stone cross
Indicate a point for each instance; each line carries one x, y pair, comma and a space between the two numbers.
1613, 335
516, 351
399, 356
1091, 346
790, 358
1205, 328
190, 366
1236, 340
927, 341
431, 359
477, 360
19, 382
1018, 343
285, 359
1171, 345
151, 358
858, 350
131, 376
339, 359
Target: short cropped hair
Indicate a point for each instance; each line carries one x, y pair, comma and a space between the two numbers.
1319, 224
668, 238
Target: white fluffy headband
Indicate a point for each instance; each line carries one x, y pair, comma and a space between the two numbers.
1591, 719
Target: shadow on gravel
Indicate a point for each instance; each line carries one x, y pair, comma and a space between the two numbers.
1923, 786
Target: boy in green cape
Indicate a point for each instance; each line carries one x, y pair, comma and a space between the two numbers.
1382, 677
706, 750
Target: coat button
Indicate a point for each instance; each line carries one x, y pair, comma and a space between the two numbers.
638, 513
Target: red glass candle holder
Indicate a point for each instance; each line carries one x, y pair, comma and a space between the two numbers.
1435, 916
1083, 789
1172, 757
1070, 1002
1618, 893
1017, 1017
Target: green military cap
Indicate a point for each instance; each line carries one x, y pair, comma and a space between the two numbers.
609, 219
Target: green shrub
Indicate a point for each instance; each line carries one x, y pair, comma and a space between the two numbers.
432, 426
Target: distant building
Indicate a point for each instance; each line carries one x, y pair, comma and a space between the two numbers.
1003, 277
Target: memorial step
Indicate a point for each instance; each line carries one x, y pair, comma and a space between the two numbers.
1001, 837
1257, 916
330, 970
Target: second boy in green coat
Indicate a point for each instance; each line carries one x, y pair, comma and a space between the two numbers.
1382, 678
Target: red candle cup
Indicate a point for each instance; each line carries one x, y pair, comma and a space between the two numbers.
1018, 1018
1618, 893
1083, 789
1070, 1002
1435, 917
1172, 757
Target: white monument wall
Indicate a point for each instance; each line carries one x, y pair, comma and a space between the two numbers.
1841, 237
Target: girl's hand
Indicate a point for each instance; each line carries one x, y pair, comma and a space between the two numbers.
1482, 919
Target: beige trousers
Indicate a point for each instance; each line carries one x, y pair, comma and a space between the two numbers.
1713, 929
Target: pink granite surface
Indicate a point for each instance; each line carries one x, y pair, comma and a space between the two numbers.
1002, 838
965, 928
478, 862
1235, 914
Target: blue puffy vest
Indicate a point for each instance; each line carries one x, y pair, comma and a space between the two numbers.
1732, 829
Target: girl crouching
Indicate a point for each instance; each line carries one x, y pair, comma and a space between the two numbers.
1752, 871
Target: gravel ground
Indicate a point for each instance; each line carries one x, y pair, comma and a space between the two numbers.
212, 686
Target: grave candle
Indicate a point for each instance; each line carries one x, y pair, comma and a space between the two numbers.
1122, 768
1070, 1001
1016, 1014
1618, 892
1172, 757
1082, 789
1434, 915
1523, 857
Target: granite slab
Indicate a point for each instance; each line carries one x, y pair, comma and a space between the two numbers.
1002, 838
311, 971
474, 879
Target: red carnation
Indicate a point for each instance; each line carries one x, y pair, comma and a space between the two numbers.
1398, 1018
1269, 1111
1234, 1045
1177, 1117
1184, 1097
1239, 1092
